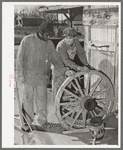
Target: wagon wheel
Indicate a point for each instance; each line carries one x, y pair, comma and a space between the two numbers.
82, 97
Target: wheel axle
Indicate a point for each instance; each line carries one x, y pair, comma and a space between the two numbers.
90, 104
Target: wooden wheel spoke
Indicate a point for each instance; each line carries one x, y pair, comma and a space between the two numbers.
101, 104
72, 93
68, 103
80, 111
79, 87
68, 96
71, 99
110, 107
103, 99
84, 113
102, 113
95, 114
74, 86
88, 84
64, 106
92, 115
70, 112
97, 93
95, 85
99, 107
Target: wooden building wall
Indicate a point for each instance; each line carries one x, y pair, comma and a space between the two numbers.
100, 27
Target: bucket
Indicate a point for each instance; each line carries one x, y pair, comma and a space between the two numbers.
97, 127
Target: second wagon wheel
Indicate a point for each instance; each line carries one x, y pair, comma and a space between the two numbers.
82, 97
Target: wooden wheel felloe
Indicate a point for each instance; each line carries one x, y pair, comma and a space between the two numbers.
82, 97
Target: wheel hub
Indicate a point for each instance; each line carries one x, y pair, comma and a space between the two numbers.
90, 103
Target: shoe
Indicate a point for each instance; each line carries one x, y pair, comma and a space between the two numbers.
37, 126
35, 122
38, 122
42, 122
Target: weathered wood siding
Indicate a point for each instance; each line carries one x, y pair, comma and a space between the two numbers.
104, 34
103, 31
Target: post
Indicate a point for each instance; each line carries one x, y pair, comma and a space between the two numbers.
70, 13
57, 20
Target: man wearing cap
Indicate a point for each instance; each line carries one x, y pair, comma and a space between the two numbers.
73, 56
35, 54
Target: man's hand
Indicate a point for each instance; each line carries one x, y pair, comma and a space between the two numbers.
69, 73
83, 69
90, 67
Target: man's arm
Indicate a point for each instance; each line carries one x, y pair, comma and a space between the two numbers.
56, 60
19, 61
65, 58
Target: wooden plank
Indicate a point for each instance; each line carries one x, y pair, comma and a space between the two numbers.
87, 38
99, 33
109, 35
102, 43
113, 35
105, 34
76, 131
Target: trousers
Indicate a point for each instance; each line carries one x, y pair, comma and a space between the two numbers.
35, 95
56, 83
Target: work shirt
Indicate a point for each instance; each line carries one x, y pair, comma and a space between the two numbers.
34, 60
72, 56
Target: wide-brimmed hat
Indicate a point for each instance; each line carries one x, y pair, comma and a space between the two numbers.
69, 32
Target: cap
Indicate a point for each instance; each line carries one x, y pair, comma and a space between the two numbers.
43, 25
69, 32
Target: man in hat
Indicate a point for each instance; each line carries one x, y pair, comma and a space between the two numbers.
73, 56
35, 54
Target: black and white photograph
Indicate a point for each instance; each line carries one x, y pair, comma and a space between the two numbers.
65, 76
